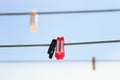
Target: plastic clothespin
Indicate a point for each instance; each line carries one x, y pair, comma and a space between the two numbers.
33, 21
60, 48
57, 49
52, 48
94, 63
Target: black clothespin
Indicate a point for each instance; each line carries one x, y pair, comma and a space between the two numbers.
52, 48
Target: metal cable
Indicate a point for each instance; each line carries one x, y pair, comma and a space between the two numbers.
67, 44
62, 12
40, 61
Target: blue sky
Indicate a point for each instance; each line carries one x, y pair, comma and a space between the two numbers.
74, 27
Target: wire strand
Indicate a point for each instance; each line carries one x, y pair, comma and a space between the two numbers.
40, 61
67, 44
62, 12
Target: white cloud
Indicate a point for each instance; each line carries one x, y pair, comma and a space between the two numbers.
59, 71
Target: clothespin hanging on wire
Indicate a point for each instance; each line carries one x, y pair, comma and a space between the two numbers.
52, 48
94, 63
60, 53
33, 21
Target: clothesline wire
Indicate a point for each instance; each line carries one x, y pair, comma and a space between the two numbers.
40, 61
62, 12
67, 44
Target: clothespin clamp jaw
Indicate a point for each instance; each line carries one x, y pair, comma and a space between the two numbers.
52, 48
33, 20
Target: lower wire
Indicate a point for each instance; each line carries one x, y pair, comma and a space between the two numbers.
45, 61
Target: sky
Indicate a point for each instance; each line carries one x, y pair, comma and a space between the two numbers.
74, 28
59, 71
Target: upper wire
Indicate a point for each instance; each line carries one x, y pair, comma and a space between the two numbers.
62, 12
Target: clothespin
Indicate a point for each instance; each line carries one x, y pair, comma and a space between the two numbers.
33, 21
60, 48
94, 63
52, 48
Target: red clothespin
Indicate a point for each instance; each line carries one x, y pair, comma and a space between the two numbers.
60, 53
